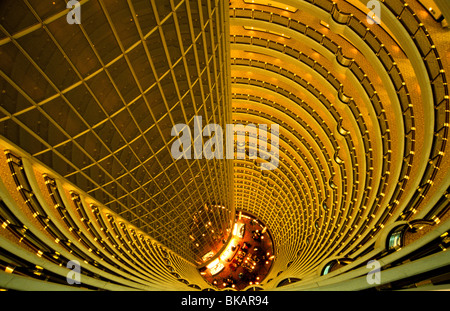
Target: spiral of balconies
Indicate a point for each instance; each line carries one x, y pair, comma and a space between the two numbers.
363, 115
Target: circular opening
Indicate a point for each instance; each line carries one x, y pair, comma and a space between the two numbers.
246, 260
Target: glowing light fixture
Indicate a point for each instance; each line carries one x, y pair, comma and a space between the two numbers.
213, 263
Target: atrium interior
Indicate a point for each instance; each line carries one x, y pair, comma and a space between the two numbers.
350, 97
